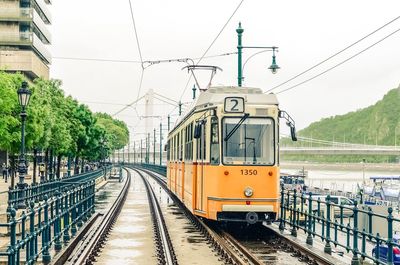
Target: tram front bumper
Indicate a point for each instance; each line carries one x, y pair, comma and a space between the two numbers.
246, 213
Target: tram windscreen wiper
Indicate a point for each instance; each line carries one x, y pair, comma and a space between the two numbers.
229, 135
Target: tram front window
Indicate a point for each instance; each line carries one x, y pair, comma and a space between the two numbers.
252, 143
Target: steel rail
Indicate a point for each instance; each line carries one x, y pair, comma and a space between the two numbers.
97, 236
165, 248
301, 250
226, 246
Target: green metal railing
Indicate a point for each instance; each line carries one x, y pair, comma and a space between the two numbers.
36, 192
162, 170
51, 223
356, 229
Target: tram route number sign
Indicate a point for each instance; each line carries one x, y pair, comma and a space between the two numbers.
234, 105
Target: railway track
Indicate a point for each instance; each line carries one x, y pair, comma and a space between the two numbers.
86, 250
235, 250
164, 247
227, 244
230, 250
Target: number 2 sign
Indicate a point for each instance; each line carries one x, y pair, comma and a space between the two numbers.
234, 104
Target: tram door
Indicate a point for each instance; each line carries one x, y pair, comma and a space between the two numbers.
201, 159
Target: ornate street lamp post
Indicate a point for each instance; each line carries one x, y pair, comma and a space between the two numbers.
274, 67
24, 95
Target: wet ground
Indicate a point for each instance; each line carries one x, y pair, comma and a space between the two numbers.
131, 238
190, 246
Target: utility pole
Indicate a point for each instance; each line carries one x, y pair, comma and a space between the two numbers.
160, 143
134, 152
148, 148
239, 32
129, 147
141, 152
194, 91
274, 67
169, 119
154, 148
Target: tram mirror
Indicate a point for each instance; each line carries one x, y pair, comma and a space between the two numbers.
165, 148
293, 133
197, 131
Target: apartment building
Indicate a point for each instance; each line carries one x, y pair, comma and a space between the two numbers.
24, 37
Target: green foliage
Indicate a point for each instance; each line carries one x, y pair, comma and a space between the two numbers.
378, 124
56, 122
117, 131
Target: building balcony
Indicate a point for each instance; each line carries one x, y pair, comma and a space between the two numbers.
41, 8
26, 39
44, 33
26, 62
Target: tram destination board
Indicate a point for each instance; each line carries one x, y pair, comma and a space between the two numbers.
234, 105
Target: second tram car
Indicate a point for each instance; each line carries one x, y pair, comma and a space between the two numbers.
223, 155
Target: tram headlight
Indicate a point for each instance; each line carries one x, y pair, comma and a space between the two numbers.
248, 192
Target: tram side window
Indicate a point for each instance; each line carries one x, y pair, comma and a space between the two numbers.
201, 143
168, 150
191, 141
177, 146
214, 150
181, 145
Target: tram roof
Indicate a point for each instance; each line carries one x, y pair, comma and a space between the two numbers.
217, 95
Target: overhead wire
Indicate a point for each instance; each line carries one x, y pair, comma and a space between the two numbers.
135, 61
337, 65
334, 55
95, 59
140, 54
209, 47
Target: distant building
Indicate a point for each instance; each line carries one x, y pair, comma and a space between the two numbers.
24, 36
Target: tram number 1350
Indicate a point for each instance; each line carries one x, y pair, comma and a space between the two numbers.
249, 172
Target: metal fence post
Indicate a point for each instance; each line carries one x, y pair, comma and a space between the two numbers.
32, 231
57, 224
294, 214
85, 202
65, 213
13, 236
390, 237
93, 195
80, 206
355, 260
72, 208
328, 248
309, 239
46, 231
282, 219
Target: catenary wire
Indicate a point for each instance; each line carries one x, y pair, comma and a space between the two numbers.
209, 47
334, 55
336, 65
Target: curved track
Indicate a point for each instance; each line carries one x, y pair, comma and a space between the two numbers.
232, 250
96, 236
228, 248
165, 250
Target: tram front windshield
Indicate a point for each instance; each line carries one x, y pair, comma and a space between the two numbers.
250, 143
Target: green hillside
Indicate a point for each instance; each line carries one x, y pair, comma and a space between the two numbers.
378, 124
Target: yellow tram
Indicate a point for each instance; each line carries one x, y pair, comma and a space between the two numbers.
223, 155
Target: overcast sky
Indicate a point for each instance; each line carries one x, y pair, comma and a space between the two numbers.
305, 31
